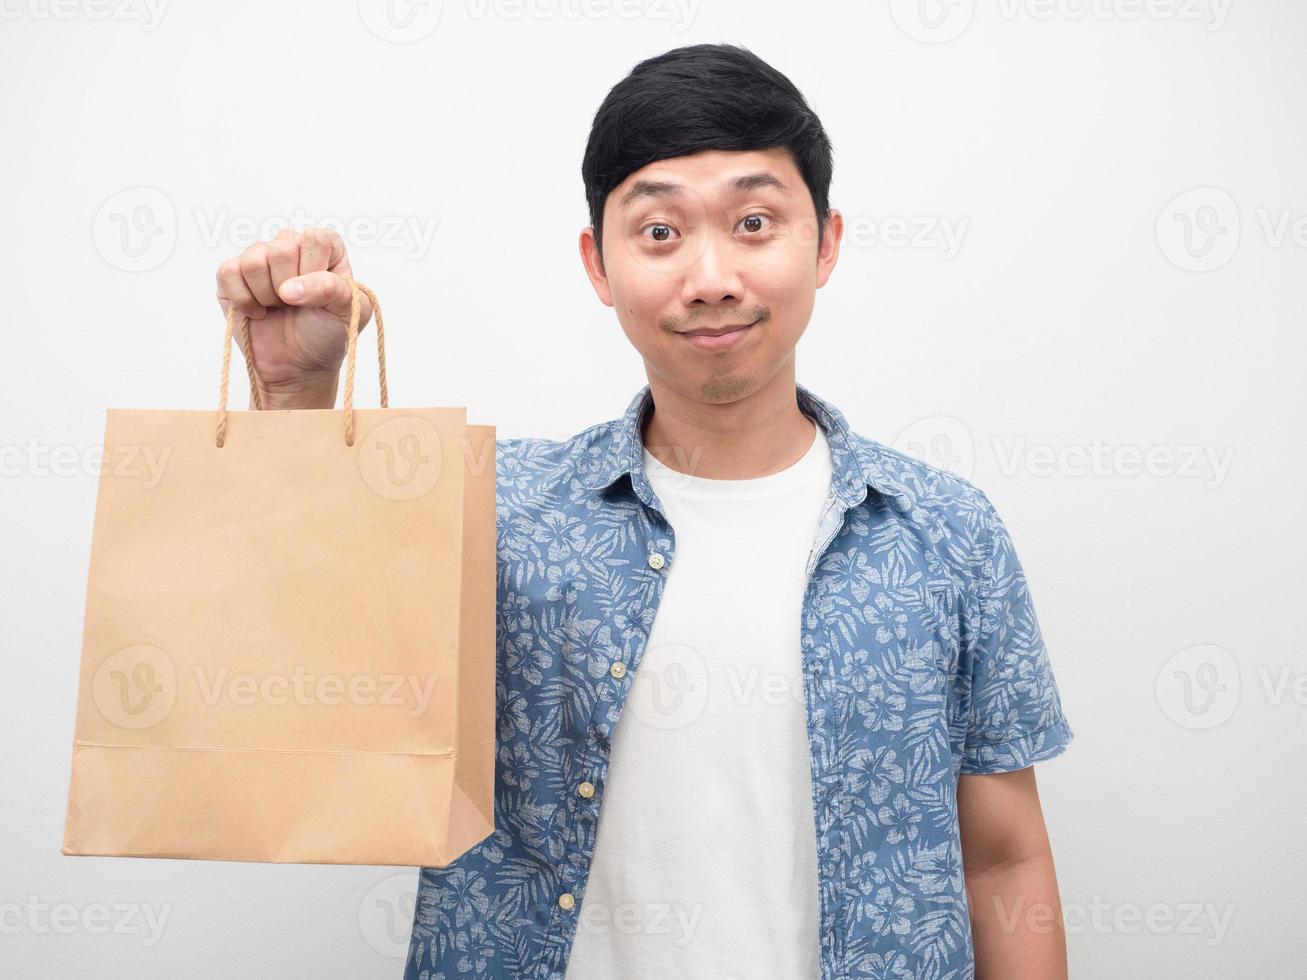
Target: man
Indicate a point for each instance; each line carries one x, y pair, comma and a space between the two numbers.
769, 692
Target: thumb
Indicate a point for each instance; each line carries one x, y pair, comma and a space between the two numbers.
324, 290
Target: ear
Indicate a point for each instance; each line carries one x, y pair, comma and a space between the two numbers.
828, 252
593, 262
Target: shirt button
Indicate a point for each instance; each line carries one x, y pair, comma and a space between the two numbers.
618, 670
656, 561
566, 900
586, 789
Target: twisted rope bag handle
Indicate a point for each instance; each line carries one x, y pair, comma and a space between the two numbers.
352, 334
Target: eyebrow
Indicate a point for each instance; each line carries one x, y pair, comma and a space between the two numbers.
667, 188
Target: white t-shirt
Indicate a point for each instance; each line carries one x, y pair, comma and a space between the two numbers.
705, 861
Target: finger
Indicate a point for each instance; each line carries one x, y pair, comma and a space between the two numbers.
258, 278
320, 249
328, 291
284, 257
232, 291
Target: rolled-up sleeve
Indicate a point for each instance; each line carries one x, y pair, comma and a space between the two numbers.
1015, 715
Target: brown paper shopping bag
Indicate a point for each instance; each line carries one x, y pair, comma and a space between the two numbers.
288, 651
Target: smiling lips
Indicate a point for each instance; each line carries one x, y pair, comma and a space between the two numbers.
718, 338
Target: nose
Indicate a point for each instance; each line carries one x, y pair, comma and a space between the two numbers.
713, 276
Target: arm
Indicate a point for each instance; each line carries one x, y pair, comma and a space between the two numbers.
1016, 914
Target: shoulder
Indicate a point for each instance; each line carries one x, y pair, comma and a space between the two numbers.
932, 489
947, 511
530, 469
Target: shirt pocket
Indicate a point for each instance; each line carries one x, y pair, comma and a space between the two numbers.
925, 658
945, 603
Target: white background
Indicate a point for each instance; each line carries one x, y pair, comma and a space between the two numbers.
1086, 304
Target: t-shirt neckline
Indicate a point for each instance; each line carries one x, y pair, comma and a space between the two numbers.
809, 465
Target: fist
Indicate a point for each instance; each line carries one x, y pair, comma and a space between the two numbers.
294, 290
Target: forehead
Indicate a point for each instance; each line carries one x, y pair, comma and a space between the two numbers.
709, 174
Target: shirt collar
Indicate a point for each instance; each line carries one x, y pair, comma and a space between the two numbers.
619, 451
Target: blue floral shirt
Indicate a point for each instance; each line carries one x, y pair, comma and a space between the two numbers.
922, 659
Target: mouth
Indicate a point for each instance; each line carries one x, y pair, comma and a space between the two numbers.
719, 338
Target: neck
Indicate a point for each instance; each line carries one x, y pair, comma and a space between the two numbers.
756, 435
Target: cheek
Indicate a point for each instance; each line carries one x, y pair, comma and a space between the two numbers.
636, 291
640, 302
787, 288
638, 309
784, 280
790, 263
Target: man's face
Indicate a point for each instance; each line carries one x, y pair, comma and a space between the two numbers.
697, 245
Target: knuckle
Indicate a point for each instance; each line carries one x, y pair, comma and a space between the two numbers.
253, 258
280, 249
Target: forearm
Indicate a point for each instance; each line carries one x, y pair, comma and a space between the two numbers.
1016, 921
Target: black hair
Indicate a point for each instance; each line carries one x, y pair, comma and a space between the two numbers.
695, 98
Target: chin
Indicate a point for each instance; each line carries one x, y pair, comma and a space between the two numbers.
727, 387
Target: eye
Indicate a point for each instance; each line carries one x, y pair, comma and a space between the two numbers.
754, 223
660, 232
